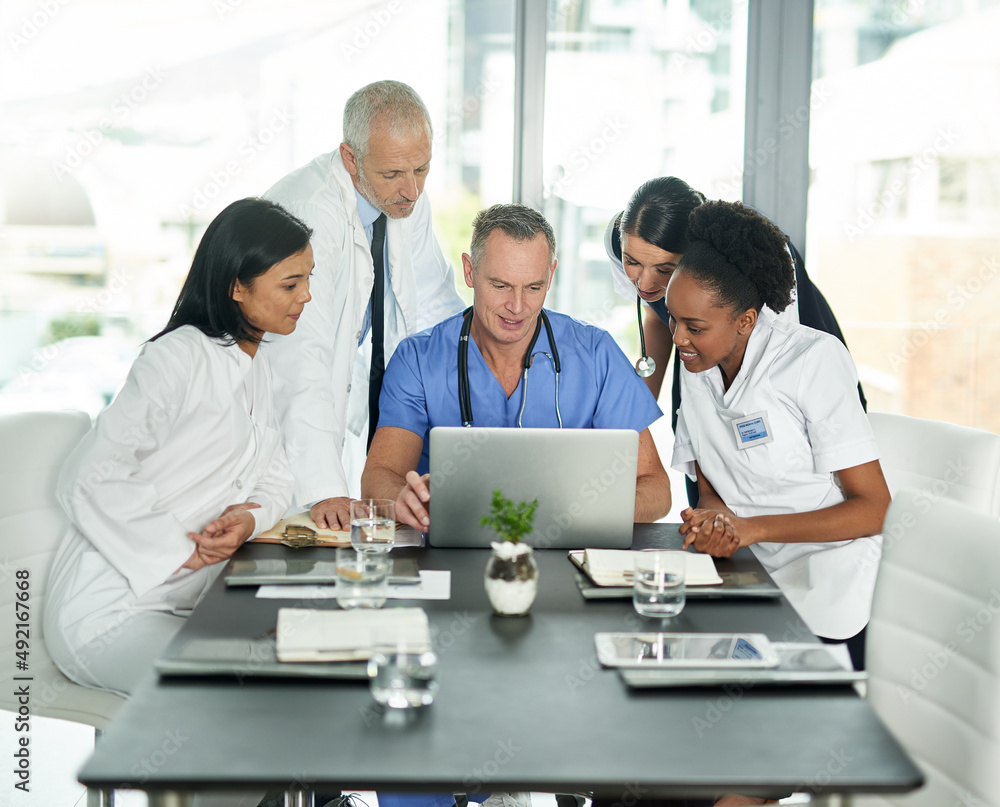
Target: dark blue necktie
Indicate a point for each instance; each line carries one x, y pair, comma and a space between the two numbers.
378, 326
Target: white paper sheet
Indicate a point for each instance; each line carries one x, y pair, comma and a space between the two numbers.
433, 585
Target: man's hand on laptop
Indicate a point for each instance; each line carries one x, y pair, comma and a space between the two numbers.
332, 514
411, 503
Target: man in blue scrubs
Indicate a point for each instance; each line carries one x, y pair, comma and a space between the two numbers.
510, 269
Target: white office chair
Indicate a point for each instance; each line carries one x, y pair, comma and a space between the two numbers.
34, 446
933, 650
939, 459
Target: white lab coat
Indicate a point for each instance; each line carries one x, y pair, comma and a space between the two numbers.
321, 374
806, 383
192, 431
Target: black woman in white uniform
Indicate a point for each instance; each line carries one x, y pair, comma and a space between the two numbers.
771, 427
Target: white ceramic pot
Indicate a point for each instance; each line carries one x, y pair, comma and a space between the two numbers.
511, 578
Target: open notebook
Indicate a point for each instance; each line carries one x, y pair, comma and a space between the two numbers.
614, 567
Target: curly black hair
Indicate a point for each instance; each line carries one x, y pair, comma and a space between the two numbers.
740, 255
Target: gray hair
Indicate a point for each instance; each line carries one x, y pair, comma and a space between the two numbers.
404, 110
517, 221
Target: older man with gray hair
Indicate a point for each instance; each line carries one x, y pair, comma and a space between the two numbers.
379, 276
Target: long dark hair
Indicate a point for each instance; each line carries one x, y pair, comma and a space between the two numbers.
658, 213
242, 243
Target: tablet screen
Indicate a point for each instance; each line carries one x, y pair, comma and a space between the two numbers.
685, 650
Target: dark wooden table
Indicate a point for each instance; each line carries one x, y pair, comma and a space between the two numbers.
523, 706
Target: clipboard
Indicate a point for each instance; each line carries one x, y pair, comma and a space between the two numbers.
294, 531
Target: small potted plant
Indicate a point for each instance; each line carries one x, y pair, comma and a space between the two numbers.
511, 574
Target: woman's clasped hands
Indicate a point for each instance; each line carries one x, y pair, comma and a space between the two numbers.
712, 532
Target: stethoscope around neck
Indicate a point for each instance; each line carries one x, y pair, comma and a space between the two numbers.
644, 366
464, 396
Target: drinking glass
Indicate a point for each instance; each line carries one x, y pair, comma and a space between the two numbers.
362, 578
373, 524
403, 678
658, 582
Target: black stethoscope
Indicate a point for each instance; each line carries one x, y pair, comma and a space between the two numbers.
464, 398
645, 366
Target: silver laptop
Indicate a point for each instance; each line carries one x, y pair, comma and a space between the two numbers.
584, 480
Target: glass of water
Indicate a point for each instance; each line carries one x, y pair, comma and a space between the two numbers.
373, 524
362, 578
658, 582
403, 678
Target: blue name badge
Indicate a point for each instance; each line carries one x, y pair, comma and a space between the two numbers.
752, 430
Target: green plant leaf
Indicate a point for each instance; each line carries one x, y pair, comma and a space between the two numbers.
511, 522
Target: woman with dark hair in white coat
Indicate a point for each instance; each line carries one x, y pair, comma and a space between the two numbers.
187, 463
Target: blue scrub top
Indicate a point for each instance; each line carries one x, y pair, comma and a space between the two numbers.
598, 387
